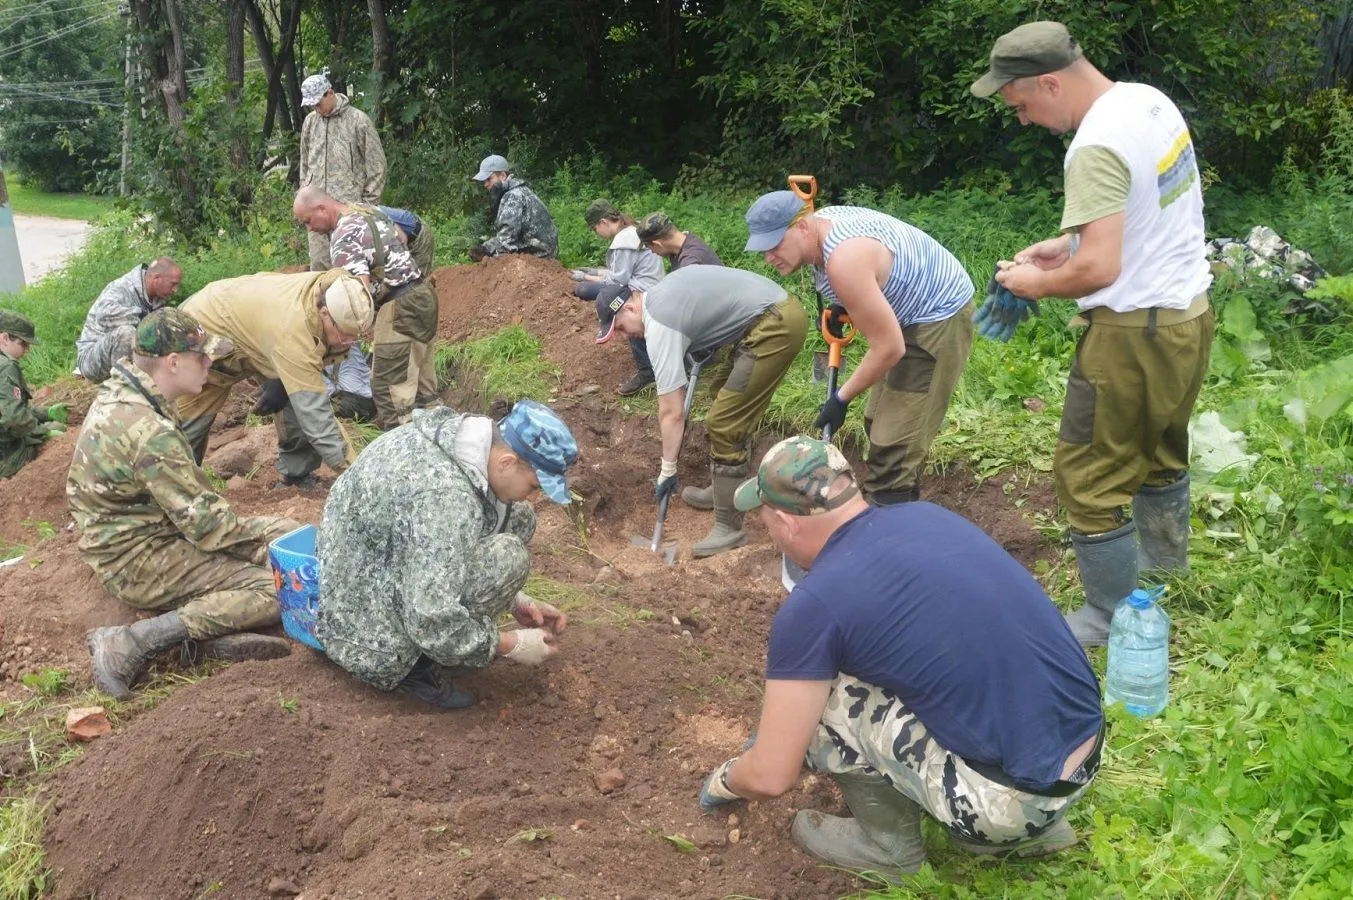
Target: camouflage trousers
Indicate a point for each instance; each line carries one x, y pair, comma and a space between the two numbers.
215, 593
866, 729
95, 361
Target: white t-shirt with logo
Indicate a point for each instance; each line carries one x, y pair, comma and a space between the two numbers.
1133, 154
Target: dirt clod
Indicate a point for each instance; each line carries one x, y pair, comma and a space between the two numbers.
87, 723
610, 780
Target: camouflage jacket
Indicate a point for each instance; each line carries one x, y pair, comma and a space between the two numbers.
122, 302
524, 224
416, 555
133, 483
341, 154
352, 247
21, 425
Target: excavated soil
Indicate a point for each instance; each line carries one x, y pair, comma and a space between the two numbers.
578, 779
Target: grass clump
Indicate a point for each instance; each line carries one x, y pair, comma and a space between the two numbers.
508, 365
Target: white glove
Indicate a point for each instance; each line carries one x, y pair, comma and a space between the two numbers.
531, 648
577, 274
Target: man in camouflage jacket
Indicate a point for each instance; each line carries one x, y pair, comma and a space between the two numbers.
341, 154
371, 246
23, 427
423, 545
522, 222
110, 327
153, 528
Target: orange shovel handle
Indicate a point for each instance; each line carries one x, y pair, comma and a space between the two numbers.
804, 187
836, 345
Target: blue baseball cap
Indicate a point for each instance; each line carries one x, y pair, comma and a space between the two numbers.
769, 218
536, 434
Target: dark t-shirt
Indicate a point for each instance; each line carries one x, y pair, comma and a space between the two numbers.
919, 600
695, 252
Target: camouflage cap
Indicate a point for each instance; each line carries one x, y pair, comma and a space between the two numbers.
654, 226
1035, 48
537, 435
171, 330
801, 476
598, 210
16, 326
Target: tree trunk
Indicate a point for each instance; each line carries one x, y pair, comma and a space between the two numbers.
380, 56
239, 137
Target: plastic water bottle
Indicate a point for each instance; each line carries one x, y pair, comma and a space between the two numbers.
1138, 674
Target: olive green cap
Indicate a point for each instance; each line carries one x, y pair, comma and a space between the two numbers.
16, 326
1033, 49
598, 210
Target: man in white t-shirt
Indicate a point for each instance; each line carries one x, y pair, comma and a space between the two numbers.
1132, 255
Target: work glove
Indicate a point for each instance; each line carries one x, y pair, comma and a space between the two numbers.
533, 647
836, 320
716, 791
577, 274
477, 252
58, 412
833, 413
272, 398
1002, 312
667, 481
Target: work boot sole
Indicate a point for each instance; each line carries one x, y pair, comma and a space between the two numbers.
1060, 836
98, 665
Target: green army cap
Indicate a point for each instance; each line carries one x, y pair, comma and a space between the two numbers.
1033, 49
598, 210
801, 476
172, 330
16, 326
654, 226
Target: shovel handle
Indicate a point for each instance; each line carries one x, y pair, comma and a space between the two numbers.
836, 345
804, 187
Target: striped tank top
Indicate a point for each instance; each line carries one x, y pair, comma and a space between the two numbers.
926, 284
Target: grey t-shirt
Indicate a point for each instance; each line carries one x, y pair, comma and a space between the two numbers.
698, 309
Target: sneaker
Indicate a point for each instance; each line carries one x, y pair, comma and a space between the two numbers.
635, 385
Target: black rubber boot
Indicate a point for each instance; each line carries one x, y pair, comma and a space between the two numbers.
119, 655
884, 836
431, 683
1162, 517
893, 498
727, 532
635, 385
244, 645
1108, 566
307, 482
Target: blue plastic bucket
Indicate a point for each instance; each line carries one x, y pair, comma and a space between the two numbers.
295, 571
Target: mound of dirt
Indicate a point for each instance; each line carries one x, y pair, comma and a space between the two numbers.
37, 493
478, 300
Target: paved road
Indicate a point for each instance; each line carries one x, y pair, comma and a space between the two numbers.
46, 243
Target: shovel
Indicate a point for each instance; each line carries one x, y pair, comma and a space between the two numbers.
669, 550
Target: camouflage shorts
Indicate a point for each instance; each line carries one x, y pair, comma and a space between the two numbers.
867, 729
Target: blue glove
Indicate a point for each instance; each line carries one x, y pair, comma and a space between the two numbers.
1002, 312
716, 791
665, 487
833, 413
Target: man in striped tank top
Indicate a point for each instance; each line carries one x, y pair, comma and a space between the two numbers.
912, 301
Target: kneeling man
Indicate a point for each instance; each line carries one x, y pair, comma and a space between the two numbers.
920, 667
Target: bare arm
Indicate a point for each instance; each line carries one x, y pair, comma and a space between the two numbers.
853, 271
789, 718
1094, 266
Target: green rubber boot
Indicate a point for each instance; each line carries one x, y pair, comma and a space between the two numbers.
883, 836
1108, 566
727, 532
698, 497
119, 655
1162, 517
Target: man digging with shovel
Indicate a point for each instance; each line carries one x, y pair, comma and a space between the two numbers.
697, 310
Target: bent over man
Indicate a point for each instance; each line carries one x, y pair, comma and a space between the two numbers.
151, 525
921, 668
1133, 256
696, 310
423, 546
110, 326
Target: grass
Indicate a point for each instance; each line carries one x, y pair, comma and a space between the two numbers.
29, 201
508, 365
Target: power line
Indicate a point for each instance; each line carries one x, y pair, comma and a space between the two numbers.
63, 99
61, 32
79, 7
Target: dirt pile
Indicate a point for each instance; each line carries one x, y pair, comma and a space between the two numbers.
33, 502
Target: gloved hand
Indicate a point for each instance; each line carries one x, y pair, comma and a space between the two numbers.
477, 252
272, 398
716, 791
533, 647
667, 480
1002, 312
833, 413
836, 320
58, 412
577, 274
54, 428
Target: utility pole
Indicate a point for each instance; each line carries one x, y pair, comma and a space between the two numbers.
126, 101
11, 266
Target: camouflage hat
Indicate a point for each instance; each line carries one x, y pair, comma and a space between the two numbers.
598, 210
536, 434
171, 330
654, 226
314, 88
1036, 48
16, 326
801, 476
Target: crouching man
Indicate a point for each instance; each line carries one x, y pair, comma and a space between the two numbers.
423, 545
921, 668
153, 528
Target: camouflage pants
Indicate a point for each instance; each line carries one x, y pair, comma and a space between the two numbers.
215, 593
320, 260
867, 729
95, 361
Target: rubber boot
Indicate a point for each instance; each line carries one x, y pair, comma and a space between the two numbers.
244, 645
884, 836
1108, 566
431, 683
1162, 517
727, 532
1056, 837
119, 655
893, 498
698, 497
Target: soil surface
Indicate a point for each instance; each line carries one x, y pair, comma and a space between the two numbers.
578, 779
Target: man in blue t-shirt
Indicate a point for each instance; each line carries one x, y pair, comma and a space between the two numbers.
918, 665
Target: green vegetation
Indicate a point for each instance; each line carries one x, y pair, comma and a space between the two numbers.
30, 201
508, 365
